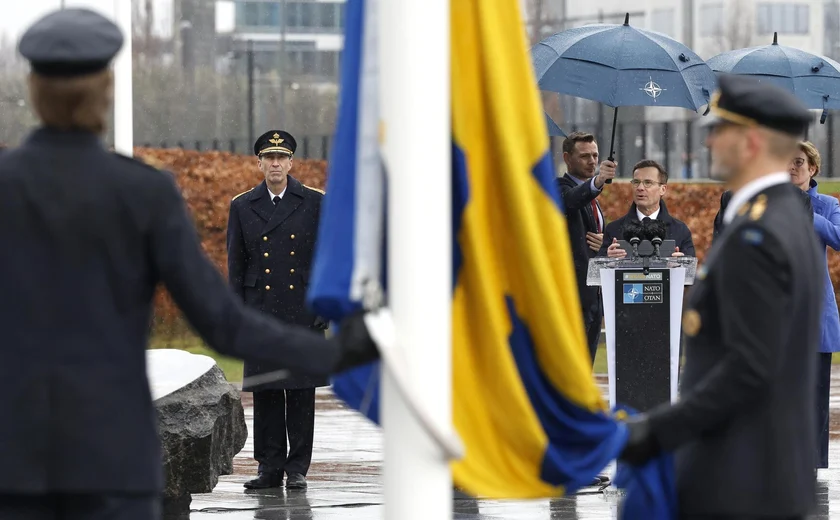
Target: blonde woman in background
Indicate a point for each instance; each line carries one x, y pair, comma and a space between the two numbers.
803, 168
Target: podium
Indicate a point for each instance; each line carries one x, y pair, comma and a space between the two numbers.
643, 319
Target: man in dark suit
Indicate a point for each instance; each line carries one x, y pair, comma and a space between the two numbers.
271, 236
743, 428
650, 181
580, 188
87, 235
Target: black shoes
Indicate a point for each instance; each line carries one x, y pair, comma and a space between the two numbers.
273, 480
265, 481
295, 481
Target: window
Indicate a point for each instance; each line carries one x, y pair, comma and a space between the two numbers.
258, 14
711, 19
662, 21
783, 18
327, 18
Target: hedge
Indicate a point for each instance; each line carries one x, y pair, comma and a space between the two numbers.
209, 180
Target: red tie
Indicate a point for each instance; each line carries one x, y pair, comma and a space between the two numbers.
595, 216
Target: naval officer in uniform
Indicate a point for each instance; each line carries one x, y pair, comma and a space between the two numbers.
743, 428
87, 236
271, 236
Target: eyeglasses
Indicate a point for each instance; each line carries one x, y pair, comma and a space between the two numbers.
798, 162
647, 183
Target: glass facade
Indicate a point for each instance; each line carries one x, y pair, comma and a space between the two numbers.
300, 16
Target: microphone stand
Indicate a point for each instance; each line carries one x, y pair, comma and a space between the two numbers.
634, 241
656, 241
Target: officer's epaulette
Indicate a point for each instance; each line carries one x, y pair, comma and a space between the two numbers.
313, 189
241, 194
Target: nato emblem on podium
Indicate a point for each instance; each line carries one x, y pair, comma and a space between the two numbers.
642, 316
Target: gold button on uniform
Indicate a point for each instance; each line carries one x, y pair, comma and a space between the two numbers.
265, 239
293, 237
291, 270
292, 253
268, 271
291, 287
691, 322
267, 287
265, 255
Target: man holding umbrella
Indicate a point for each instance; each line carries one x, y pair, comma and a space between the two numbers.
743, 429
580, 188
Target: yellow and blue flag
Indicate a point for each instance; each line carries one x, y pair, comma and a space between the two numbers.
525, 403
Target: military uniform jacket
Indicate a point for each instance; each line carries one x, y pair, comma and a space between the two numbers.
270, 253
87, 235
743, 428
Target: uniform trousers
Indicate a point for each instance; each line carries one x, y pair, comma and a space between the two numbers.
593, 328
278, 414
77, 506
823, 411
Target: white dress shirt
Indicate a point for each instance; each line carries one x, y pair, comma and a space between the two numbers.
642, 216
272, 195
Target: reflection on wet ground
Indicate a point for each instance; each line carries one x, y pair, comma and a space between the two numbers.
344, 479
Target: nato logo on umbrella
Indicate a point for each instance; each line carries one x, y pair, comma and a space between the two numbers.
652, 89
633, 293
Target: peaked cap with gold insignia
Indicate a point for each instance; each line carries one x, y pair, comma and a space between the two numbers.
275, 141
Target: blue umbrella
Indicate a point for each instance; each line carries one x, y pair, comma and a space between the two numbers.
620, 65
553, 129
814, 79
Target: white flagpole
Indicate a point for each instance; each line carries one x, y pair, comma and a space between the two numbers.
123, 96
416, 140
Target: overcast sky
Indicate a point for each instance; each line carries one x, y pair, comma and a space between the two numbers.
17, 15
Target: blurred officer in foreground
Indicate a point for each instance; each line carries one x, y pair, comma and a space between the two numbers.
87, 235
271, 237
743, 429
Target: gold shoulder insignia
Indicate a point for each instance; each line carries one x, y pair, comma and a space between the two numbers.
314, 189
758, 207
241, 194
691, 322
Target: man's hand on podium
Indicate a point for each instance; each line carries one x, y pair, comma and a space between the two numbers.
615, 251
594, 240
677, 252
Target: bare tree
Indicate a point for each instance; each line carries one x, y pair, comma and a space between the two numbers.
737, 28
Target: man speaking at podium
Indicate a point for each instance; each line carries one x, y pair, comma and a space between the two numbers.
650, 181
742, 431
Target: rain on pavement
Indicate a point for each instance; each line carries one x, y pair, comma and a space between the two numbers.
344, 479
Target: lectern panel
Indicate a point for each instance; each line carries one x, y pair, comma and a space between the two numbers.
642, 338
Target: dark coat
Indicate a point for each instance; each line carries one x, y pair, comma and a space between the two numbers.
724, 201
677, 230
269, 261
87, 235
743, 428
577, 200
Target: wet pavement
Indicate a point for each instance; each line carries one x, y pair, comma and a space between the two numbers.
344, 479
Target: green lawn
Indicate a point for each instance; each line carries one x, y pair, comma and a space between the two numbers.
829, 187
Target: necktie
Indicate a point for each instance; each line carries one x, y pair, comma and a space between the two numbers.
595, 216
276, 199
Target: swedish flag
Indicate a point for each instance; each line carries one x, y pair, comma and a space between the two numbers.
525, 403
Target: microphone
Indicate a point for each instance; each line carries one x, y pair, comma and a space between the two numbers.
655, 231
632, 232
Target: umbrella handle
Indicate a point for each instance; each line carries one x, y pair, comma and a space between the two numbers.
612, 141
